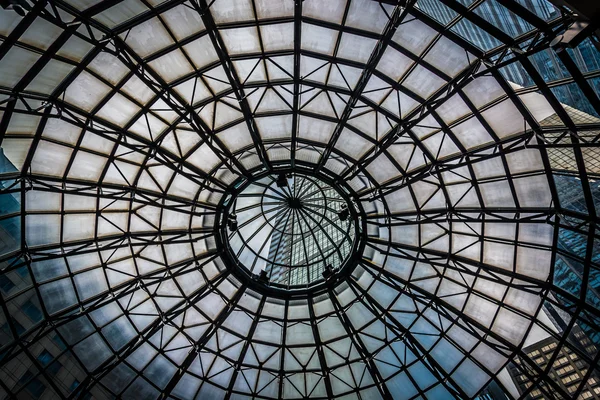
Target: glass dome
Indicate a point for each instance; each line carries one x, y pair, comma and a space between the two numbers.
141, 146
296, 228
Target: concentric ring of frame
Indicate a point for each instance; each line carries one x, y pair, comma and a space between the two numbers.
357, 214
46, 114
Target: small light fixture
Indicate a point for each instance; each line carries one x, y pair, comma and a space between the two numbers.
262, 277
343, 212
232, 222
21, 7
281, 180
328, 271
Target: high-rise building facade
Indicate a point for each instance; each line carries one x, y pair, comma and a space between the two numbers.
134, 131
566, 368
546, 62
308, 235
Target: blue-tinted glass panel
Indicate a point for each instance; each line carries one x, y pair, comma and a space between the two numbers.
5, 283
571, 95
74, 385
503, 19
437, 10
549, 66
10, 235
9, 202
564, 277
32, 385
5, 165
32, 311
586, 56
541, 8
595, 84
47, 360
570, 193
475, 35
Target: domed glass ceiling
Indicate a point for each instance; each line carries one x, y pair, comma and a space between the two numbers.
464, 147
292, 228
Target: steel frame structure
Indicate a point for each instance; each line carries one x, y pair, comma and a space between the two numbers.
19, 101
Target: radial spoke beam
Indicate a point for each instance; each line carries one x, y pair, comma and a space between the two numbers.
202, 341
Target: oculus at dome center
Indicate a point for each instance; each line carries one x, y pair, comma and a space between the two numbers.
291, 226
265, 199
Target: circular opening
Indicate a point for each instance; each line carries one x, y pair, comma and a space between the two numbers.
290, 231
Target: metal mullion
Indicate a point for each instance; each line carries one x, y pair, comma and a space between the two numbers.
193, 119
296, 217
398, 15
580, 304
448, 164
27, 258
300, 192
496, 337
143, 17
120, 45
528, 16
580, 80
414, 118
283, 349
318, 345
536, 129
5, 119
224, 94
279, 217
97, 302
296, 75
460, 259
244, 350
25, 23
461, 41
41, 371
469, 14
346, 234
338, 39
280, 209
496, 139
560, 343
177, 45
287, 221
335, 245
467, 287
118, 243
566, 119
488, 268
118, 188
246, 241
23, 82
229, 68
277, 190
147, 142
317, 244
201, 342
418, 60
424, 215
117, 239
146, 333
593, 368
354, 337
408, 339
313, 203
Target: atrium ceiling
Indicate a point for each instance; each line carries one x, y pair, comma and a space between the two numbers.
126, 127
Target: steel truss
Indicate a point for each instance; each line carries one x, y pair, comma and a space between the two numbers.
18, 101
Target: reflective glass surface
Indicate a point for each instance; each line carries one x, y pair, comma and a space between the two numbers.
463, 144
291, 227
